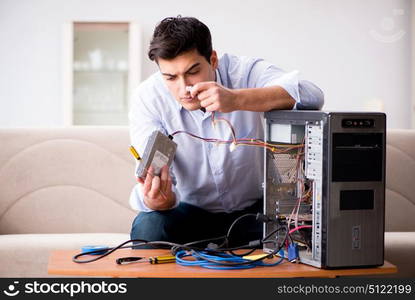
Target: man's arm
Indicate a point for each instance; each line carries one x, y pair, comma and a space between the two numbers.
263, 99
154, 192
257, 85
215, 97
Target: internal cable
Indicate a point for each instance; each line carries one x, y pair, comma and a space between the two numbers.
276, 148
234, 142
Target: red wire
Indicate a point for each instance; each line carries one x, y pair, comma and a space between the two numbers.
299, 227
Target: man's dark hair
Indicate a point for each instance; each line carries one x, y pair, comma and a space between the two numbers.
176, 35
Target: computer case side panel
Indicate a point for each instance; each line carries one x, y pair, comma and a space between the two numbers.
356, 187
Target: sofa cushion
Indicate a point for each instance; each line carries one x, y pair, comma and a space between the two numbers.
65, 180
399, 250
400, 174
27, 255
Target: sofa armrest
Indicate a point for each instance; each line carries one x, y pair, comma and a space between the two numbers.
400, 250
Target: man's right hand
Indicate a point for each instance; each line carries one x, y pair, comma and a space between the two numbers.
157, 190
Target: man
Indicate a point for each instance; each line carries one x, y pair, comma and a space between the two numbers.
208, 186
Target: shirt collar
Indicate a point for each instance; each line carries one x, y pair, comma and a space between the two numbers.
218, 79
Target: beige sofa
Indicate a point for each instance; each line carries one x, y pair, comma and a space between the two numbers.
68, 187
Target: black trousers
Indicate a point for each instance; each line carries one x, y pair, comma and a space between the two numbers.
187, 223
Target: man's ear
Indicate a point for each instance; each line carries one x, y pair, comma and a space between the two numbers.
214, 59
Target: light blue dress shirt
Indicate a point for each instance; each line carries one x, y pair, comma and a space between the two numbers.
205, 174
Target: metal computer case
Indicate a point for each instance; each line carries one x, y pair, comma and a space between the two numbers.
343, 164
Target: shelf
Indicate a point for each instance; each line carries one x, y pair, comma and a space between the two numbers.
101, 68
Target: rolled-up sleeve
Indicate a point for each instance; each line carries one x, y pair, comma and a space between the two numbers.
307, 96
311, 96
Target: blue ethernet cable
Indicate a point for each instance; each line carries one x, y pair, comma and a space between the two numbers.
222, 262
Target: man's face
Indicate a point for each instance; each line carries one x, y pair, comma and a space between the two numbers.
187, 69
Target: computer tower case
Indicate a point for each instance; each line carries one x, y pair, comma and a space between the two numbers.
324, 182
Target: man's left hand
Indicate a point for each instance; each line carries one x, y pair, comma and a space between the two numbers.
215, 97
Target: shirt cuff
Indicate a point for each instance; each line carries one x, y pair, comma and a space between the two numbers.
289, 82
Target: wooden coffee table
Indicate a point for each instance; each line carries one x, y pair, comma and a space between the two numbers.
60, 263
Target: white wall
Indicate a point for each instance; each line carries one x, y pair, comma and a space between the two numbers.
337, 44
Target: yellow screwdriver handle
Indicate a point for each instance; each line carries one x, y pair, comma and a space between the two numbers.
134, 153
162, 259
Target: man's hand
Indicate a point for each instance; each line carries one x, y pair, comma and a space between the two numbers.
157, 190
215, 97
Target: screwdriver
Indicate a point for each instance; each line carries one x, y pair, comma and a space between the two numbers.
162, 259
134, 153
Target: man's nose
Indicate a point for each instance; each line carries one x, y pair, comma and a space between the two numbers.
183, 83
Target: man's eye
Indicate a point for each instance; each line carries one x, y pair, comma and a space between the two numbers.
171, 78
193, 72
